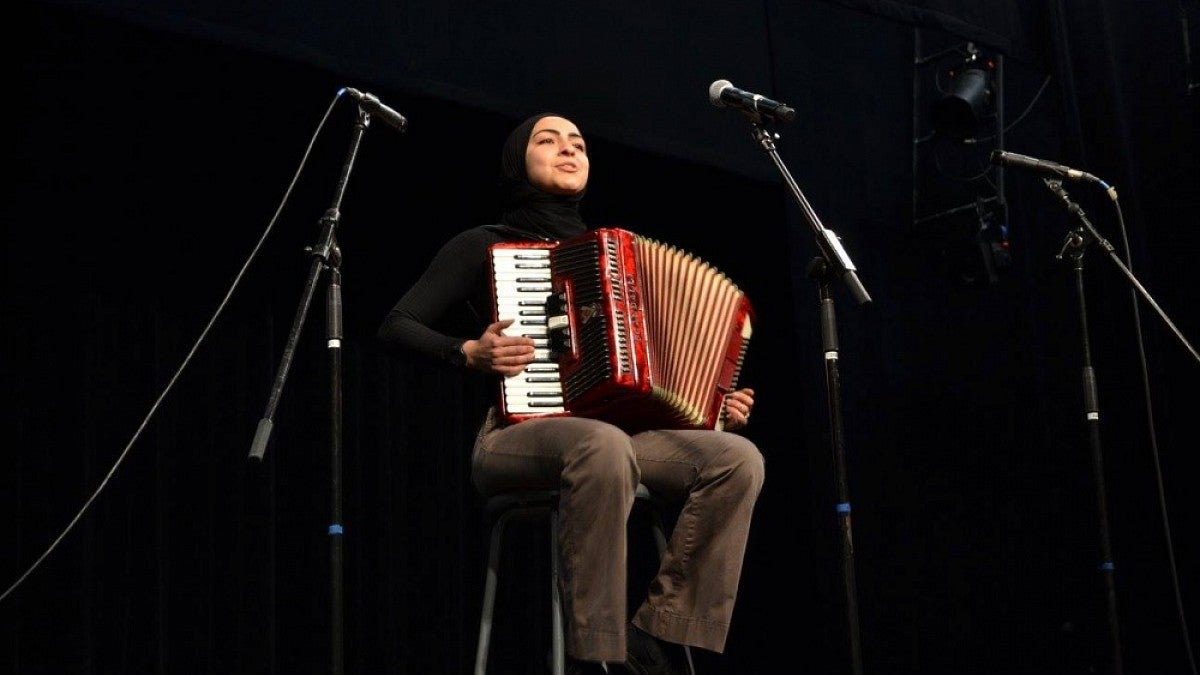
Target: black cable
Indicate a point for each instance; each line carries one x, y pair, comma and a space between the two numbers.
1028, 108
1187, 58
1162, 499
204, 333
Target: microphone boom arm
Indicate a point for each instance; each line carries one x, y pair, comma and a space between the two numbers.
827, 240
1057, 188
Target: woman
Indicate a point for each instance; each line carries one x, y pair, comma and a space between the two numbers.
716, 475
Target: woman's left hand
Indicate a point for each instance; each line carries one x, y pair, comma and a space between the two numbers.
738, 405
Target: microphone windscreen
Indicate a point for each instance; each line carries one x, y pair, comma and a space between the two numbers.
714, 92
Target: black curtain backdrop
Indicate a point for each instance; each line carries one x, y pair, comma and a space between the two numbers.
152, 146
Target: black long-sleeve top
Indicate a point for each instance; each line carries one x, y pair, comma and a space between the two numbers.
452, 294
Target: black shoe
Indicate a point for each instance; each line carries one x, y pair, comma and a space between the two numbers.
647, 655
578, 667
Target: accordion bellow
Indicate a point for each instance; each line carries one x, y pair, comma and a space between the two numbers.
627, 329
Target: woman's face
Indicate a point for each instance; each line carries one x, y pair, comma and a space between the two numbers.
556, 157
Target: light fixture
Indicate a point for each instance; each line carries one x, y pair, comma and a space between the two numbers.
958, 114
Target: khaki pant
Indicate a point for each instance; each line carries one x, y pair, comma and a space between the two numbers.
717, 477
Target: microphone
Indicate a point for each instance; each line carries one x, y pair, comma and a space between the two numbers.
1000, 158
374, 106
723, 94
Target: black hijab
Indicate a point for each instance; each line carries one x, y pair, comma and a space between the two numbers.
528, 211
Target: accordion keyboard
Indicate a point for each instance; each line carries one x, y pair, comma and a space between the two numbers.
522, 284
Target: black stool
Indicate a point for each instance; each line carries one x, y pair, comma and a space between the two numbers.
501, 508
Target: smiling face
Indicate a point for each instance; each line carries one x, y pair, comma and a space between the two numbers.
556, 157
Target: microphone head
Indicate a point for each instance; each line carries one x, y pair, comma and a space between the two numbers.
997, 157
714, 92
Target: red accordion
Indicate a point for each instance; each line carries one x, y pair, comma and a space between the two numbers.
627, 330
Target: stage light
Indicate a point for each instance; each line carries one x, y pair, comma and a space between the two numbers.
958, 114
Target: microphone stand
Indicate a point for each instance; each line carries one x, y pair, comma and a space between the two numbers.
833, 262
326, 255
1073, 247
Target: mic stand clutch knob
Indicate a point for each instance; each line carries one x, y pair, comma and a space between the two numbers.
1079, 238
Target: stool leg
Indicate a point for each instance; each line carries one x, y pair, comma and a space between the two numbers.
557, 658
489, 594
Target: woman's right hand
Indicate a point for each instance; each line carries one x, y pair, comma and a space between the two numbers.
495, 352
